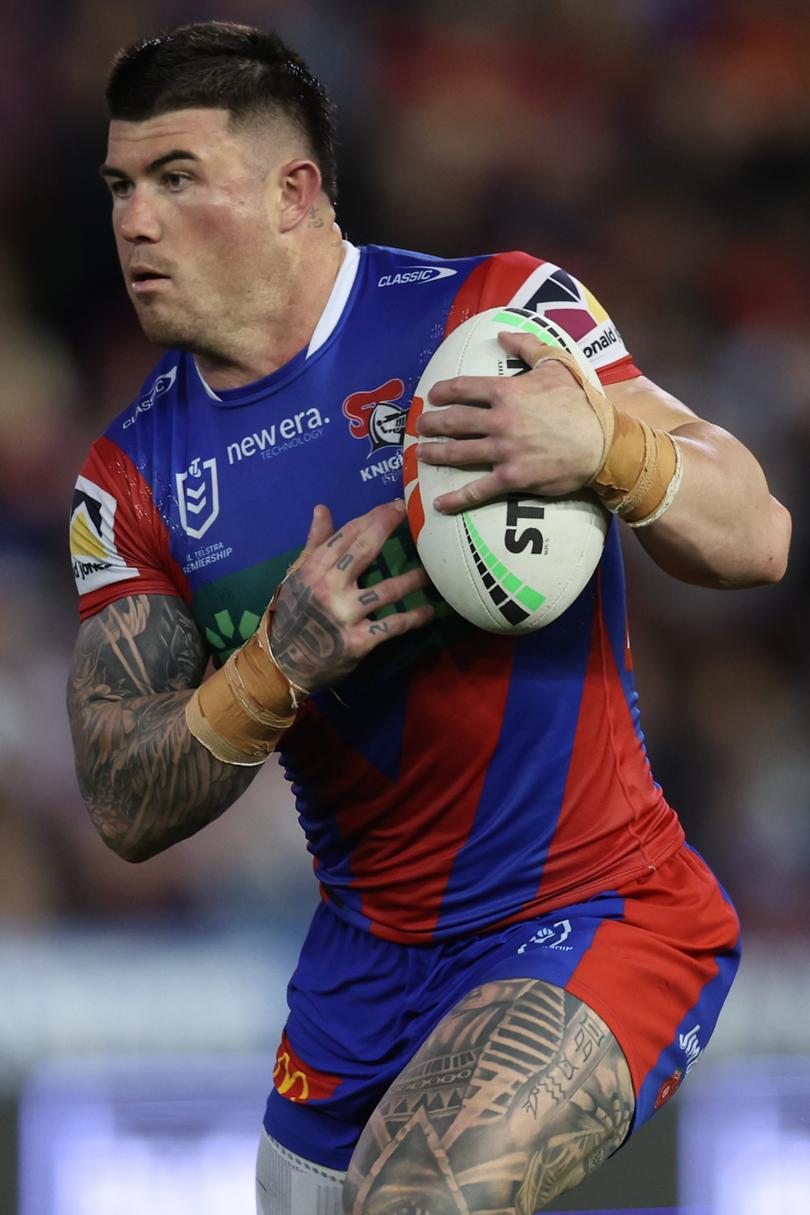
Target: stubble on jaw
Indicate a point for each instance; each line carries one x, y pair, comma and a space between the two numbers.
170, 331
204, 321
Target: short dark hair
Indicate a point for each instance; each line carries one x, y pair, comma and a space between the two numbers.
222, 65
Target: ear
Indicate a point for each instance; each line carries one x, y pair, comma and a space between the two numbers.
300, 191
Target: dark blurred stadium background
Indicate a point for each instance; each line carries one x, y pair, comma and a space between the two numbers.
659, 149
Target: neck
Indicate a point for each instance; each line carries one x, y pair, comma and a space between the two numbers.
279, 335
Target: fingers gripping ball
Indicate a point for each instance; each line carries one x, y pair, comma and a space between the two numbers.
516, 563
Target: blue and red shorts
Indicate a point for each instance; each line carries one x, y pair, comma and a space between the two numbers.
654, 958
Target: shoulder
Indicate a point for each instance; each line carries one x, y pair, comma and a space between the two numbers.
119, 457
117, 535
522, 280
467, 284
160, 388
394, 266
566, 301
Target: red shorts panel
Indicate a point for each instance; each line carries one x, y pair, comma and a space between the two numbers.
660, 975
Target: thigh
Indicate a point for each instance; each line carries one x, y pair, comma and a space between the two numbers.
518, 1092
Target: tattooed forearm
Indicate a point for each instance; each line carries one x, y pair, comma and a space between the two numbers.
517, 1094
146, 781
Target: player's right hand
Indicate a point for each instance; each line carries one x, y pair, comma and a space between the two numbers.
322, 625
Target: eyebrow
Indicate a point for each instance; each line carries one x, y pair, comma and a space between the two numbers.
176, 154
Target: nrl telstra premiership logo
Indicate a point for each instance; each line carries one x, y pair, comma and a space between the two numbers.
198, 496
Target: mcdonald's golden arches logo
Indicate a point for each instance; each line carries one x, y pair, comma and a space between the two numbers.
299, 1081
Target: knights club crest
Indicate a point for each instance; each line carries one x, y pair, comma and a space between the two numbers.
198, 496
376, 416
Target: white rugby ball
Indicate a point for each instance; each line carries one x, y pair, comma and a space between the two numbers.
514, 564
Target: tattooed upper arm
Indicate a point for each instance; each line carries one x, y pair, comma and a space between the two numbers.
147, 782
134, 647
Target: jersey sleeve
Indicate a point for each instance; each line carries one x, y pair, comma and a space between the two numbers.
521, 281
119, 544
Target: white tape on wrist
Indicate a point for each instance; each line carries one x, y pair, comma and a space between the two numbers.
669, 497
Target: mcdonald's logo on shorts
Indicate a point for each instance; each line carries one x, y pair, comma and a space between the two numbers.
299, 1081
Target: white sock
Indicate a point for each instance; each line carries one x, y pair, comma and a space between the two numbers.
287, 1184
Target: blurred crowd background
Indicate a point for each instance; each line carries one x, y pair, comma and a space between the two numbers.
661, 152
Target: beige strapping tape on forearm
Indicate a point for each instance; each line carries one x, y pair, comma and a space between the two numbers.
240, 713
638, 461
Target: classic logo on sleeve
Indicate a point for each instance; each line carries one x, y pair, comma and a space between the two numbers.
161, 386
416, 274
96, 559
566, 302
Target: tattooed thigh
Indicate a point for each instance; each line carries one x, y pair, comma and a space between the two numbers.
517, 1095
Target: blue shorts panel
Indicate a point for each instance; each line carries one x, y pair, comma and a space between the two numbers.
360, 1007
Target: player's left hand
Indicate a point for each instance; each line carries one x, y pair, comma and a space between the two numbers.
539, 433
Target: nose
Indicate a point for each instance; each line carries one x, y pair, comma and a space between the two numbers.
138, 218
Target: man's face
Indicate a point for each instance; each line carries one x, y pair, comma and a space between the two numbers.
193, 217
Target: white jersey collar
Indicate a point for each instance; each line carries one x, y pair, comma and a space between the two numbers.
331, 313
337, 298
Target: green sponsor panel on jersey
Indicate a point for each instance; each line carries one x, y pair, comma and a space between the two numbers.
228, 610
401, 654
398, 556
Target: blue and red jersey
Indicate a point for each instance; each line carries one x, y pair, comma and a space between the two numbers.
460, 781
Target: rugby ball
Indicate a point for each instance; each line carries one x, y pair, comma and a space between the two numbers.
514, 564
